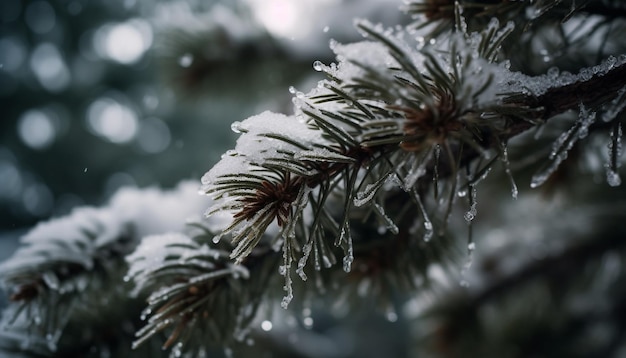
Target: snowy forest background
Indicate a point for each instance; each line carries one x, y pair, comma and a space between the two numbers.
99, 97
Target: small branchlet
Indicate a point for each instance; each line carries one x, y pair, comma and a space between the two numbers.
197, 294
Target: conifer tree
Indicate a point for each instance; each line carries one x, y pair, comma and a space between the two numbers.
458, 173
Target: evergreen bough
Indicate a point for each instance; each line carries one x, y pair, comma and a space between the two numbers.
360, 188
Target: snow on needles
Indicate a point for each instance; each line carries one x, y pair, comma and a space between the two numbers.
77, 238
258, 142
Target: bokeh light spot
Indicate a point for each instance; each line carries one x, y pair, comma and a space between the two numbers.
109, 119
281, 17
50, 68
36, 129
123, 42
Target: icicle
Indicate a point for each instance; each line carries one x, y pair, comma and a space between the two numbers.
418, 169
616, 106
348, 250
471, 213
306, 251
327, 261
365, 196
563, 144
615, 152
285, 270
471, 246
436, 170
298, 206
319, 283
507, 170
428, 225
388, 222
316, 256
461, 23
586, 118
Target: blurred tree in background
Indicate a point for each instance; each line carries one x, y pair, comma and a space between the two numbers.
98, 95
368, 196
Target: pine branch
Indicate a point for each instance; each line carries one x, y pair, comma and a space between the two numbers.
196, 293
592, 88
397, 115
63, 261
71, 267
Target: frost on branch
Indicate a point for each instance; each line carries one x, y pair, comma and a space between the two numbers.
75, 264
196, 293
391, 116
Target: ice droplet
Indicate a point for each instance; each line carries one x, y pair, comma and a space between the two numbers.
471, 213
428, 225
317, 66
613, 178
292, 90
284, 303
236, 127
308, 322
185, 60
